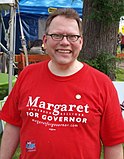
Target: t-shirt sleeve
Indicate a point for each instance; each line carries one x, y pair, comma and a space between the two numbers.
112, 123
12, 109
10, 112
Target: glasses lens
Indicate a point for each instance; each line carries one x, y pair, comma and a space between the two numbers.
73, 37
56, 37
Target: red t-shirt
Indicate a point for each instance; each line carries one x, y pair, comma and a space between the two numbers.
64, 117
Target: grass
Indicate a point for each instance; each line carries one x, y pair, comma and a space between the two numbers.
120, 74
120, 69
16, 155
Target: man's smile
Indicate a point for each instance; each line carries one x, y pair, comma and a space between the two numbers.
63, 51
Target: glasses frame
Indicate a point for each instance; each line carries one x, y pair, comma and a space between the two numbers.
62, 37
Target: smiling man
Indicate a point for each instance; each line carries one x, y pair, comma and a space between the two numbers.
62, 108
63, 42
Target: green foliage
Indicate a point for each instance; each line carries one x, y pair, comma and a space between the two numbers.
107, 11
119, 74
17, 153
3, 92
104, 62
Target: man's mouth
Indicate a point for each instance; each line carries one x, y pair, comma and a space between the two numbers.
64, 51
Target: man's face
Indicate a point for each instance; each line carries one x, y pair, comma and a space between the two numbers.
63, 52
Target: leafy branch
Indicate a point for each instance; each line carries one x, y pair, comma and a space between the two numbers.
107, 11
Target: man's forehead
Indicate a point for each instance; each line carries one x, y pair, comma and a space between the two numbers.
59, 20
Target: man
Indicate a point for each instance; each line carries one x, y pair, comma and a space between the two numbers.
62, 108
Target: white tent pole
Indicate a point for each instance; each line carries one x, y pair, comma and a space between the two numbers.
23, 40
3, 47
14, 34
11, 52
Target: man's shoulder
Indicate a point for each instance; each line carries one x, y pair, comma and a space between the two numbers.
36, 68
97, 74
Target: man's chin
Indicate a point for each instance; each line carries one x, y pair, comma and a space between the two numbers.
63, 61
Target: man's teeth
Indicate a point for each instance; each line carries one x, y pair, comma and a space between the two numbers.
64, 51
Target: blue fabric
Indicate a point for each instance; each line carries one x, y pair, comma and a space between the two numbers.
41, 6
31, 11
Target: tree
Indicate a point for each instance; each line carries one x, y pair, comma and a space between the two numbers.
100, 27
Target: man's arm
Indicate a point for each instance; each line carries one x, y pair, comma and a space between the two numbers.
113, 152
10, 140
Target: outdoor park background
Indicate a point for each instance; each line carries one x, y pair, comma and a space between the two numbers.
101, 27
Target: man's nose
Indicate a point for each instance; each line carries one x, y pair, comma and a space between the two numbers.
64, 40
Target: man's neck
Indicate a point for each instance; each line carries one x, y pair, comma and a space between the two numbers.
64, 70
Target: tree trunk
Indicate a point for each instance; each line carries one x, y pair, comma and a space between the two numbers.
97, 36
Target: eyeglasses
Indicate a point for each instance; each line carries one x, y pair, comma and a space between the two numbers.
59, 37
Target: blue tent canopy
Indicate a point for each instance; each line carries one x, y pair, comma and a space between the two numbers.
32, 11
41, 7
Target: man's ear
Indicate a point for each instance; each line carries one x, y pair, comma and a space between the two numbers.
81, 41
44, 41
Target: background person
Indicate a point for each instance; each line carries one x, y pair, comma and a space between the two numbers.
122, 43
62, 108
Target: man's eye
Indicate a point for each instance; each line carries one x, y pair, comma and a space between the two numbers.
73, 36
57, 36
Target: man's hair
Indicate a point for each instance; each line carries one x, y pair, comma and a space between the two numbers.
67, 13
